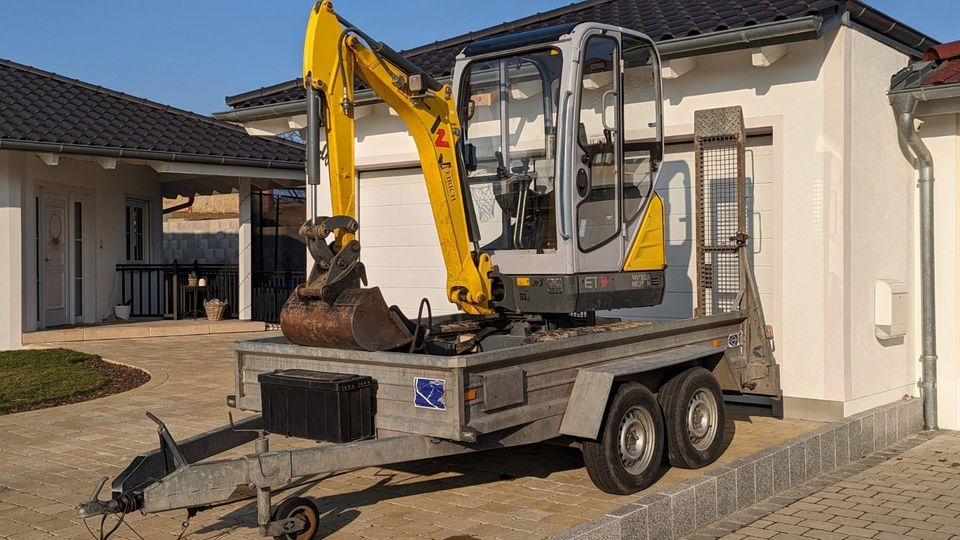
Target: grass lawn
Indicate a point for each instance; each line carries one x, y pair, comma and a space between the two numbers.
30, 377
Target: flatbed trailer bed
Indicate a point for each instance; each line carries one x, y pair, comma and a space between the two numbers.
486, 392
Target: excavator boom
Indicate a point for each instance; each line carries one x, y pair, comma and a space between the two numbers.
332, 308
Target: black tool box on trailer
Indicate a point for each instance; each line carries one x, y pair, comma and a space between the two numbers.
315, 405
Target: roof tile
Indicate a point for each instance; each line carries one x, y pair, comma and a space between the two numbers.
39, 106
659, 19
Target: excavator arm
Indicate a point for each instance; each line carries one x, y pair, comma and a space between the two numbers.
332, 309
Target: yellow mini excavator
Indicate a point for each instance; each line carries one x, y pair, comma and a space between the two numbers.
539, 161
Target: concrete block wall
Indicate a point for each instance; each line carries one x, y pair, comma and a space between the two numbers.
208, 241
684, 508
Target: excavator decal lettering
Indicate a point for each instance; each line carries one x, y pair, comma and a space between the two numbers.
440, 140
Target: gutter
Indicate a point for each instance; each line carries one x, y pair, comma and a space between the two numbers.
904, 103
800, 29
181, 206
889, 31
929, 93
106, 151
772, 33
263, 112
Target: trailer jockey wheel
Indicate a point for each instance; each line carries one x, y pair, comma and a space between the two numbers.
298, 507
627, 456
693, 406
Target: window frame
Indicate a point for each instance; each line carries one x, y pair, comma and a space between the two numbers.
144, 206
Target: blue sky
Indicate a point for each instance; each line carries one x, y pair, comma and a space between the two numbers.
191, 53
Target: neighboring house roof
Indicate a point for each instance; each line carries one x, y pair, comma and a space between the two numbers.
45, 112
665, 21
939, 66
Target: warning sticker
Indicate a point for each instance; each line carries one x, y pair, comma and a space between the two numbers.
428, 393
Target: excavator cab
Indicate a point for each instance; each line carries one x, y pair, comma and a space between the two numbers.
563, 134
539, 162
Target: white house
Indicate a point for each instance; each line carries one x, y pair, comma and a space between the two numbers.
83, 171
833, 199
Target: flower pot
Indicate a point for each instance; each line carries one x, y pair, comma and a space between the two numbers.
192, 281
122, 312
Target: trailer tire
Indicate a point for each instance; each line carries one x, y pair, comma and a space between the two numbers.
692, 406
627, 456
303, 509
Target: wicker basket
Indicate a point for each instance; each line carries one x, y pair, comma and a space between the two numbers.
214, 309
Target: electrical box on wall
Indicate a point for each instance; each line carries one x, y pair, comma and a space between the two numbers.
892, 308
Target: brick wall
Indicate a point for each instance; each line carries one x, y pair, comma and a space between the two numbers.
208, 241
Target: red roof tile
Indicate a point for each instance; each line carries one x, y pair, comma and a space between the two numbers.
948, 71
946, 51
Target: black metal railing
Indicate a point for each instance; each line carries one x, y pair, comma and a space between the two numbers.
144, 287
270, 291
163, 290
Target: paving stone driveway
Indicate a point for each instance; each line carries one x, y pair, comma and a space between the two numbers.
50, 459
911, 490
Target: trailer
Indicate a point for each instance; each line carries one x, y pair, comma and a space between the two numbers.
630, 394
592, 386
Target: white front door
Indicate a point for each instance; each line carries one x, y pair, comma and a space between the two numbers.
54, 258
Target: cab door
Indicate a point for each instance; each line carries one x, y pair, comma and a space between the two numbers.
597, 193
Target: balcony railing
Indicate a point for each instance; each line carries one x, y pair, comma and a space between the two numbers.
161, 290
270, 292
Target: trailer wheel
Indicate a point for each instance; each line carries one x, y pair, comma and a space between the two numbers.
627, 456
693, 408
302, 508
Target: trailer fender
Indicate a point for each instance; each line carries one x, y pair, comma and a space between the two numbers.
591, 390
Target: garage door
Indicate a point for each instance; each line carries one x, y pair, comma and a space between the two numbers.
676, 187
402, 253
399, 241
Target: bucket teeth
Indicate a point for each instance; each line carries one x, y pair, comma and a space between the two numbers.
332, 309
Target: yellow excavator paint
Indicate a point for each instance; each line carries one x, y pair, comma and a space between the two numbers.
649, 251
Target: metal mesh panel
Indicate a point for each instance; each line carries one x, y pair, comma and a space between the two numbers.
719, 153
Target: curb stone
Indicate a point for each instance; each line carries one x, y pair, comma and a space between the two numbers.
771, 475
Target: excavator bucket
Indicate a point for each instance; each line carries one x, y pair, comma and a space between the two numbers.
333, 309
358, 319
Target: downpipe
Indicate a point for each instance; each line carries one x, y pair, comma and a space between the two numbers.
905, 106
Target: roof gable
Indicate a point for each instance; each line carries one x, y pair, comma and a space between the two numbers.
41, 108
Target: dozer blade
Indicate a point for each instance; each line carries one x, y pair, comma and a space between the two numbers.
358, 319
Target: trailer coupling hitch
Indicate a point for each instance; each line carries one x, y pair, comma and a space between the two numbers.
120, 504
131, 500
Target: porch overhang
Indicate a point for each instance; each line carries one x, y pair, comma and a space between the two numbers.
186, 179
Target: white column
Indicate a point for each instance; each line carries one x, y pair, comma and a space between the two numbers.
245, 309
11, 250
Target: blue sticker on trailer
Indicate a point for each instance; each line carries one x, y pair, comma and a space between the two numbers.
428, 393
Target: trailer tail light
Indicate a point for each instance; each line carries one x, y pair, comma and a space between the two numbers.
469, 395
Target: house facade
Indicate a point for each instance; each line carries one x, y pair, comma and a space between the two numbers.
831, 198
83, 174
